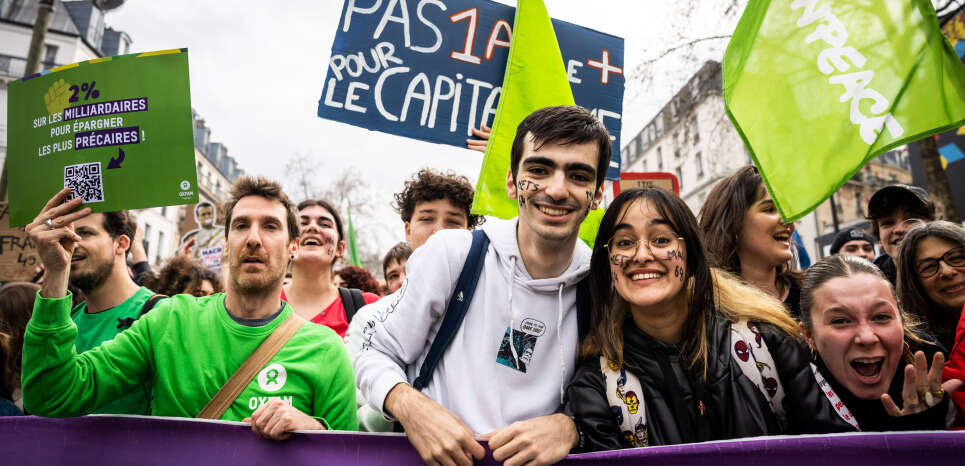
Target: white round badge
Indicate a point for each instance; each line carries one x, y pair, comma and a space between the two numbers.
272, 377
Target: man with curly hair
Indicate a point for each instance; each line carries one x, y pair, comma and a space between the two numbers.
433, 201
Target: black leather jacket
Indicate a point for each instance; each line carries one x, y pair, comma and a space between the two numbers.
735, 406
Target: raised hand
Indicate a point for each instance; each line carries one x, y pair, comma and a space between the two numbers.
923, 387
479, 144
52, 233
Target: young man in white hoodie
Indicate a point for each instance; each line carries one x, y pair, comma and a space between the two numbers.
502, 376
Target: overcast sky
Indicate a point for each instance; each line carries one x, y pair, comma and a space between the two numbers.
257, 70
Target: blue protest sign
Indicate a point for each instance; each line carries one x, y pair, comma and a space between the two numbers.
432, 69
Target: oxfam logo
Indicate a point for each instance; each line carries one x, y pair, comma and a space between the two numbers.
272, 377
185, 185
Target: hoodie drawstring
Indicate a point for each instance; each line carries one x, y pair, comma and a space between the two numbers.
512, 315
559, 336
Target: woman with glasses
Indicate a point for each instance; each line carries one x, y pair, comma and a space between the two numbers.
931, 277
878, 371
745, 235
679, 353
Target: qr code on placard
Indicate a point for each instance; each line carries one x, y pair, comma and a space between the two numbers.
85, 181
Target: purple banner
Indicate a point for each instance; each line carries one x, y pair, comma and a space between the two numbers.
138, 104
107, 137
108, 440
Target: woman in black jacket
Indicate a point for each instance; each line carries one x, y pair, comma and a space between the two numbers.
664, 364
866, 351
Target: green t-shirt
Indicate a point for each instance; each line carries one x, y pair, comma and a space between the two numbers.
187, 348
94, 329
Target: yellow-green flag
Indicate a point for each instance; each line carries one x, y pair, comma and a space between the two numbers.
353, 251
535, 78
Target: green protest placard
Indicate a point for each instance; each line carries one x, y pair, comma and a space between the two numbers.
116, 130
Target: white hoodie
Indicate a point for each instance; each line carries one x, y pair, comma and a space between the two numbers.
477, 378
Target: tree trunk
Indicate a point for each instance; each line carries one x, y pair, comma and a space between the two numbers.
938, 186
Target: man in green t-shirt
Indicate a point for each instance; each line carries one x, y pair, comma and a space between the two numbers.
98, 267
188, 347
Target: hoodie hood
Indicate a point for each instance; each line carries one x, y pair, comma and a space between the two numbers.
502, 238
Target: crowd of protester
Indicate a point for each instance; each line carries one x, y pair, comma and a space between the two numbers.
673, 328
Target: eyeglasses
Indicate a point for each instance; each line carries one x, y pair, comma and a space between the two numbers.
954, 257
629, 246
908, 223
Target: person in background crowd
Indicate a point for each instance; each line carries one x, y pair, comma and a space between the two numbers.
182, 274
867, 353
659, 367
931, 277
854, 242
393, 266
893, 211
140, 267
745, 235
359, 278
312, 291
223, 330
98, 267
432, 201
522, 348
205, 243
16, 303
956, 370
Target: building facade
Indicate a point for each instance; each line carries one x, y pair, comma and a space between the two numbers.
692, 138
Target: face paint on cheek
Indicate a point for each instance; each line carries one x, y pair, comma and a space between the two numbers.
675, 254
522, 200
526, 185
619, 260
589, 202
678, 272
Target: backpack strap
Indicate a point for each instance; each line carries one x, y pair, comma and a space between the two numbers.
834, 399
125, 323
457, 307
352, 301
625, 396
268, 348
749, 350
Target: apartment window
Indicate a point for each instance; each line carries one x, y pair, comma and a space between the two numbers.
696, 131
164, 211
146, 242
50, 55
680, 178
659, 159
160, 246
700, 165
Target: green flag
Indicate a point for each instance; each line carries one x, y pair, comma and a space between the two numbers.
353, 252
817, 88
535, 78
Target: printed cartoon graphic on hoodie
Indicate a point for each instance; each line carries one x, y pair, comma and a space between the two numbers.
516, 348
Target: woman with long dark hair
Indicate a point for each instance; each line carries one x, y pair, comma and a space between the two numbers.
883, 374
745, 235
680, 353
931, 277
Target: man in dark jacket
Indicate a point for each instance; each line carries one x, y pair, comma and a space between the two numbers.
893, 210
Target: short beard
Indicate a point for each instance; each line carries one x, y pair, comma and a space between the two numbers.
90, 281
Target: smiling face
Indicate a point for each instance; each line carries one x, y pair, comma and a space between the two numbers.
258, 246
395, 275
93, 260
651, 279
431, 216
945, 288
318, 239
764, 235
555, 188
892, 229
857, 330
860, 248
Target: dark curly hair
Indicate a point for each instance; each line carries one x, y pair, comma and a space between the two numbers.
428, 185
16, 306
357, 277
182, 275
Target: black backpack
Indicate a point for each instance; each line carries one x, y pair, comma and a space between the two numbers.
125, 323
352, 301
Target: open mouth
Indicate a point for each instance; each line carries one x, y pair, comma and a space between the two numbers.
553, 211
867, 368
311, 242
783, 237
637, 276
